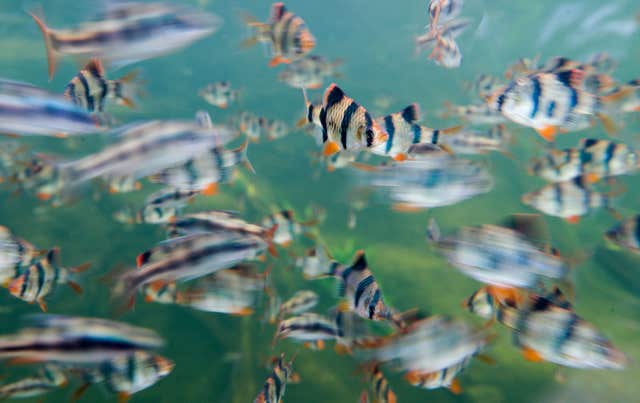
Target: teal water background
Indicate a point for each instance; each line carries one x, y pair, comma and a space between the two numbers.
221, 358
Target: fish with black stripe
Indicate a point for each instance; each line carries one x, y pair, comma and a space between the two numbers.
219, 94
346, 125
478, 114
90, 90
275, 385
309, 72
444, 378
126, 32
545, 331
288, 227
626, 234
14, 254
301, 302
404, 132
287, 33
472, 142
42, 276
309, 327
49, 378
382, 392
592, 158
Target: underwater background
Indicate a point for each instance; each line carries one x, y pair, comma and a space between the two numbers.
222, 358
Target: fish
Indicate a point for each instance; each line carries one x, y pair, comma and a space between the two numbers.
187, 258
90, 90
632, 102
142, 149
274, 129
473, 142
547, 332
275, 385
381, 390
161, 292
205, 172
483, 85
30, 111
592, 158
125, 375
219, 94
569, 200
301, 302
309, 72
70, 339
553, 101
427, 345
252, 126
14, 253
314, 262
288, 227
310, 328
126, 32
441, 40
500, 256
442, 11
346, 125
123, 184
287, 34
626, 234
404, 132
41, 277
444, 378
49, 377
477, 114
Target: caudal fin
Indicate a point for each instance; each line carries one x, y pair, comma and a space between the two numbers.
46, 33
131, 88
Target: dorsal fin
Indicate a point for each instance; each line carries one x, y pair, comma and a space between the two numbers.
332, 95
411, 114
277, 11
95, 68
359, 261
53, 256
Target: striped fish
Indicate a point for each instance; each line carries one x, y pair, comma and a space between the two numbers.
90, 90
547, 332
626, 234
126, 32
252, 126
441, 11
314, 263
125, 375
309, 72
346, 125
275, 385
49, 377
310, 328
123, 184
288, 227
592, 158
479, 114
28, 110
570, 200
14, 253
404, 132
441, 40
286, 33
219, 94
187, 258
68, 339
444, 378
472, 142
301, 302
382, 392
42, 276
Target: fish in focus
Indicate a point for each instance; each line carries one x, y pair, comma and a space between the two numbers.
90, 90
126, 32
219, 94
287, 34
309, 72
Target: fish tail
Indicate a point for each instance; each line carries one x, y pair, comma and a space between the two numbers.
260, 30
124, 291
244, 158
46, 33
433, 231
131, 88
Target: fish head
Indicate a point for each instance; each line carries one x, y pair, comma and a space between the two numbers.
480, 303
164, 365
515, 98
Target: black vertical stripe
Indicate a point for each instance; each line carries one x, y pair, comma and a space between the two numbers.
284, 33
323, 123
373, 303
87, 92
362, 287
346, 122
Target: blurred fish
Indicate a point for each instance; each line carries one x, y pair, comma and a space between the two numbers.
123, 184
632, 102
14, 253
353, 330
473, 142
428, 345
127, 32
403, 132
68, 339
310, 328
49, 377
346, 125
441, 41
42, 276
252, 126
28, 110
286, 33
275, 385
592, 158
382, 392
125, 375
288, 227
90, 90
480, 114
187, 258
547, 332
274, 129
483, 85
500, 256
309, 72
301, 302
314, 263
554, 100
570, 199
219, 94
626, 234
442, 11
445, 378
146, 215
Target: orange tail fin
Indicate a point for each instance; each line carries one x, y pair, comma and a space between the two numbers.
46, 33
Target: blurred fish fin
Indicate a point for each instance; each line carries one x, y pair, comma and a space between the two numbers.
407, 208
452, 130
330, 148
532, 355
433, 231
276, 60
574, 219
81, 268
486, 359
123, 397
75, 287
608, 124
411, 113
131, 89
548, 133
77, 394
455, 387
43, 305
46, 33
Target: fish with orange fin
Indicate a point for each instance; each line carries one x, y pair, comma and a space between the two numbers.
289, 228
445, 378
442, 11
346, 125
379, 384
219, 94
309, 328
547, 331
404, 131
159, 207
15, 253
90, 89
309, 72
41, 278
441, 40
275, 385
300, 302
48, 378
126, 32
592, 158
287, 34
570, 199
555, 100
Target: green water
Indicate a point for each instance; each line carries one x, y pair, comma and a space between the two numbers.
375, 39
